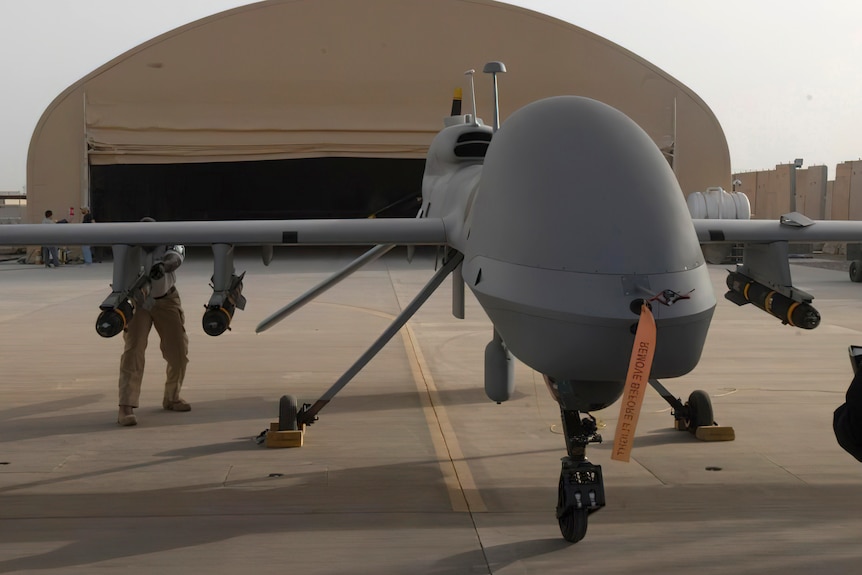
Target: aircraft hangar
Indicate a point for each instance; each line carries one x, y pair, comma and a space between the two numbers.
326, 108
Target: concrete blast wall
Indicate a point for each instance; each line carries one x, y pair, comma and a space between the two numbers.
773, 193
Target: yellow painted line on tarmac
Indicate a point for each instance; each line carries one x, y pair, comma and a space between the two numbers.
460, 485
459, 481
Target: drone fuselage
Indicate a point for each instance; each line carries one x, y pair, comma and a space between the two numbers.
572, 217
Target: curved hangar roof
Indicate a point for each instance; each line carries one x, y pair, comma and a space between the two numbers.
369, 78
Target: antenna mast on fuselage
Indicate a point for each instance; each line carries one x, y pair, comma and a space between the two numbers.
470, 73
495, 68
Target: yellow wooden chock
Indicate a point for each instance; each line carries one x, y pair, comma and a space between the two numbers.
276, 438
715, 433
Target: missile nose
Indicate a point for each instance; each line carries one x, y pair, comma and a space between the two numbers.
109, 323
216, 321
114, 320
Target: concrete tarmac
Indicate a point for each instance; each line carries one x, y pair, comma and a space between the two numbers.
410, 470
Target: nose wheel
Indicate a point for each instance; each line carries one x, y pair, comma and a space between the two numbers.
573, 522
580, 493
581, 489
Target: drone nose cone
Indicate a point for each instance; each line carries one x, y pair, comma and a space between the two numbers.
577, 213
600, 195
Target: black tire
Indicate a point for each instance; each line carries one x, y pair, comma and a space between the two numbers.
699, 411
573, 522
287, 413
856, 271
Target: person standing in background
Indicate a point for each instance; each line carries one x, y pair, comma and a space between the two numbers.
49, 253
87, 218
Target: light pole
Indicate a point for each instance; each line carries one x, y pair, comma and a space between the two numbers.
797, 163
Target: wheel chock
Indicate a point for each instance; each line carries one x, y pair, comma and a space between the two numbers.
715, 433
276, 438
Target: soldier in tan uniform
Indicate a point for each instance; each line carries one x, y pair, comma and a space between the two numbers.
161, 308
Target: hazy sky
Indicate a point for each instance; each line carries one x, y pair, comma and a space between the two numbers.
784, 77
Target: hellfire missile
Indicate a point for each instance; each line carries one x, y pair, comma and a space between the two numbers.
119, 307
745, 290
221, 307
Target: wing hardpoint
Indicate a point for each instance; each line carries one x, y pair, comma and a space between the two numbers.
402, 231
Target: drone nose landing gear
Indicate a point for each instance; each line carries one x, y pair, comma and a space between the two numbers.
581, 490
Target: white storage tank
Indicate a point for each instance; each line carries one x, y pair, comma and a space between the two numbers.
717, 204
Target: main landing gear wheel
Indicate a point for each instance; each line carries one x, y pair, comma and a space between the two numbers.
699, 411
573, 522
856, 271
287, 406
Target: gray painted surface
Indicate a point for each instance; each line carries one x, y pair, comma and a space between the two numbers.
765, 231
578, 215
264, 232
568, 172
